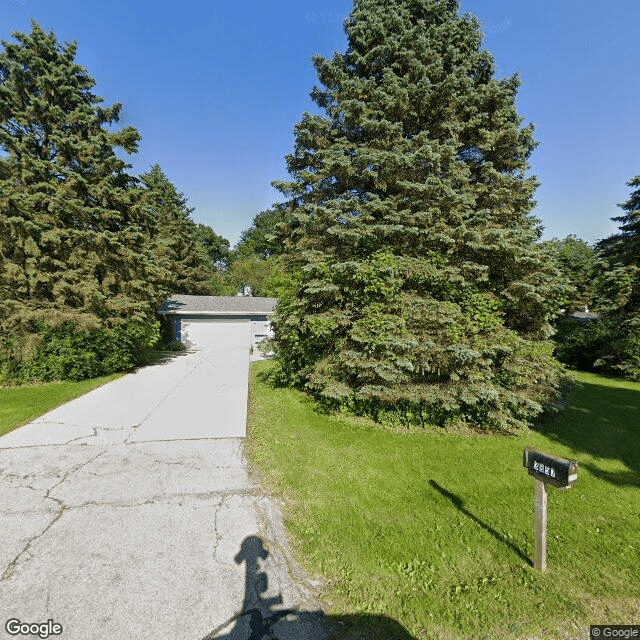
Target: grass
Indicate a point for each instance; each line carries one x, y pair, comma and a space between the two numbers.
19, 405
433, 532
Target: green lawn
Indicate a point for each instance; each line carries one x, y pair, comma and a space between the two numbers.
435, 531
19, 405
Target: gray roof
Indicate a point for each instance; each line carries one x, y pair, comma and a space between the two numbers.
586, 315
218, 305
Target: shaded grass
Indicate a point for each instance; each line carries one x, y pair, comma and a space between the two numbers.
436, 530
19, 405
601, 424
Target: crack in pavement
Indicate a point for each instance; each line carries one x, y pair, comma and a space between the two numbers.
100, 433
164, 397
85, 436
8, 572
11, 566
14, 476
133, 428
250, 502
153, 457
125, 442
156, 499
215, 528
184, 464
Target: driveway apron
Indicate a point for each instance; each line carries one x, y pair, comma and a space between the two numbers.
131, 513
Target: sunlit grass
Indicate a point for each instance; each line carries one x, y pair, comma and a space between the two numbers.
19, 405
436, 530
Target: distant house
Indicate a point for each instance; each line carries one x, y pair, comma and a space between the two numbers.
202, 322
585, 317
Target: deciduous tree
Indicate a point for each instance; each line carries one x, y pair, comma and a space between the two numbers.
216, 247
261, 239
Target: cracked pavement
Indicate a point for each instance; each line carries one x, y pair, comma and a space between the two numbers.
149, 528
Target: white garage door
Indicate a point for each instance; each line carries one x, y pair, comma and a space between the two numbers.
208, 335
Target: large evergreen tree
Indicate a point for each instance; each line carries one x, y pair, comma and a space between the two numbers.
73, 236
622, 252
178, 250
578, 265
616, 344
424, 288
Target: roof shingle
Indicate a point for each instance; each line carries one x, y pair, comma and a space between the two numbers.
183, 304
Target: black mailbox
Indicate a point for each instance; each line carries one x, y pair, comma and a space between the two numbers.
549, 468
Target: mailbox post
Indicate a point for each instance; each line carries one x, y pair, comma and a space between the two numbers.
540, 557
547, 470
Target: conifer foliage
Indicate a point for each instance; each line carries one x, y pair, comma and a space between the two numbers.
78, 283
183, 262
622, 252
424, 292
617, 352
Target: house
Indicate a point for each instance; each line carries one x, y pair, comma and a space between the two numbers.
585, 317
202, 322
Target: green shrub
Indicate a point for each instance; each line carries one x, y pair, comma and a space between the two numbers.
621, 355
65, 353
174, 345
609, 345
576, 343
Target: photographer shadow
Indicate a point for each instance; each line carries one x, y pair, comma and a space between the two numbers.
263, 618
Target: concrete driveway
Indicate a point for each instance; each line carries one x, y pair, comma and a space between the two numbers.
131, 513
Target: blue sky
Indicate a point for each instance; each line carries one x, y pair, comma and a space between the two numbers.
216, 87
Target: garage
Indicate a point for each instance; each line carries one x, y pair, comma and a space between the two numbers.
206, 334
207, 323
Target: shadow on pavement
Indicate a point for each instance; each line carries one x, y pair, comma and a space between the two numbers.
162, 357
261, 620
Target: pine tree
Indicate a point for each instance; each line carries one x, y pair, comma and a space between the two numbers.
73, 239
617, 334
577, 263
178, 251
424, 289
622, 250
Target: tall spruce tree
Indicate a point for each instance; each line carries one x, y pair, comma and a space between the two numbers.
617, 350
74, 240
578, 265
622, 251
424, 289
178, 250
